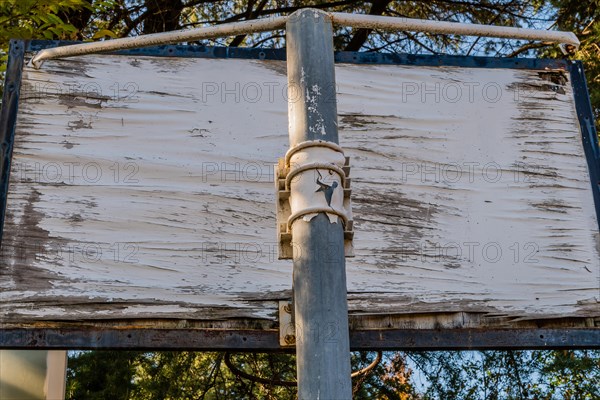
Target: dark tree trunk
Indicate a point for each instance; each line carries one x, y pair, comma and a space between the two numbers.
162, 15
361, 35
79, 18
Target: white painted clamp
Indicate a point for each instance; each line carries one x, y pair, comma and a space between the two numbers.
312, 178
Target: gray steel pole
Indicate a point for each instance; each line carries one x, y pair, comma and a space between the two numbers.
319, 283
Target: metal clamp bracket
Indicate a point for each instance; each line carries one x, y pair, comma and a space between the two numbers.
316, 171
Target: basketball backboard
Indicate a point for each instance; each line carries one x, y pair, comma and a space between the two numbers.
141, 206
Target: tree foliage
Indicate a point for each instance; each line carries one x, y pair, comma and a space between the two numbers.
193, 375
101, 375
493, 375
29, 19
490, 375
583, 18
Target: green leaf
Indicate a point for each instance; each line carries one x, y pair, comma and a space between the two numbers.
54, 19
104, 32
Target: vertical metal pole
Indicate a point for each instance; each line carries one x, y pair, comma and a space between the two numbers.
320, 294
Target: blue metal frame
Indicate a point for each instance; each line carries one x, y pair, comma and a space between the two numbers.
589, 136
8, 120
187, 51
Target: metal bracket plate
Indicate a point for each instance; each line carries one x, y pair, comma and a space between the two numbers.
287, 330
284, 234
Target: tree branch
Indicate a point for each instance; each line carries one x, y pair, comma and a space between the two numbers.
489, 23
527, 47
251, 15
360, 37
513, 362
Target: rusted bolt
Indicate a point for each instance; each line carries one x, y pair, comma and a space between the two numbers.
287, 308
290, 339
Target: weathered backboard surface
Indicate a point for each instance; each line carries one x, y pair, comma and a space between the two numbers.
140, 209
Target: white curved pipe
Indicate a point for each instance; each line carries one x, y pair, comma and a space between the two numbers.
154, 39
273, 23
452, 28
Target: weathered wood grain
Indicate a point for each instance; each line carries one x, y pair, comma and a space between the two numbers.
142, 188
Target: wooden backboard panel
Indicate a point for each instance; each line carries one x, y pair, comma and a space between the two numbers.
141, 194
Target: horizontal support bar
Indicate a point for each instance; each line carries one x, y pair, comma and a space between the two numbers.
475, 339
452, 28
274, 23
268, 340
184, 35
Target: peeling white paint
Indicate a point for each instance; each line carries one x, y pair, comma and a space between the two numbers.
181, 221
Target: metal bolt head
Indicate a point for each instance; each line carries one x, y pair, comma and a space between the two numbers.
290, 339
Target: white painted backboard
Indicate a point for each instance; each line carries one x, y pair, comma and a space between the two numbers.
142, 188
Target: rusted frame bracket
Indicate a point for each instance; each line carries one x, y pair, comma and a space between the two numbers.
268, 340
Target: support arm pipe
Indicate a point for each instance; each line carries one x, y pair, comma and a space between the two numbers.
155, 39
452, 28
564, 39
